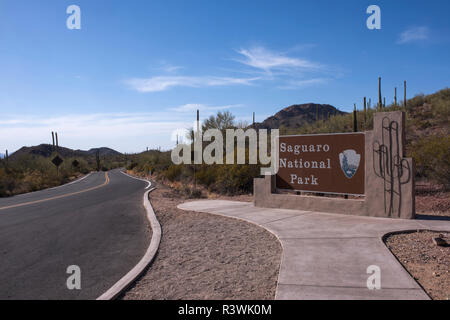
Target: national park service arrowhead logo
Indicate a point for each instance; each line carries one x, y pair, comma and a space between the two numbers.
349, 160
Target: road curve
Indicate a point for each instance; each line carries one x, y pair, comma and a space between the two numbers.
98, 224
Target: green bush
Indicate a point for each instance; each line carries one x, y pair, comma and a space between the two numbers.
432, 158
132, 165
27, 172
236, 179
192, 193
173, 173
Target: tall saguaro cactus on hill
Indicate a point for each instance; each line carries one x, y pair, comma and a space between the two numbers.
404, 94
380, 102
365, 112
395, 97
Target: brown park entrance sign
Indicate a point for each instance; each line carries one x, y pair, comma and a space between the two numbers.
372, 164
325, 163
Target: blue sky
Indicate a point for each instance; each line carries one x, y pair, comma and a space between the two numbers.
137, 70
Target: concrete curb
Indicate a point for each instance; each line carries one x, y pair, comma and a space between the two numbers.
146, 260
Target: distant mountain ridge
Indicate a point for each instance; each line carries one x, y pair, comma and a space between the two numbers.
46, 150
297, 115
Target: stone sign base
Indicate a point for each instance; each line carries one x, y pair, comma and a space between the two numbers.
389, 178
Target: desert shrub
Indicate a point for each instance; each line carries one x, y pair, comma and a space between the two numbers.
191, 192
207, 175
29, 172
415, 102
7, 184
432, 157
423, 113
132, 165
173, 173
236, 179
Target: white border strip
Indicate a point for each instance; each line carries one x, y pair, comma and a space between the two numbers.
134, 273
75, 181
52, 188
145, 180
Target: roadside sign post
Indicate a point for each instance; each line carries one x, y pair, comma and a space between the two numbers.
57, 160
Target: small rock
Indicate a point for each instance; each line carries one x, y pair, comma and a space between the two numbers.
439, 241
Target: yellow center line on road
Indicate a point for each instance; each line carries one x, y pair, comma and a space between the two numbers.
58, 197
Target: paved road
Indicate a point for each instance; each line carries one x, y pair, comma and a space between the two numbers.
98, 224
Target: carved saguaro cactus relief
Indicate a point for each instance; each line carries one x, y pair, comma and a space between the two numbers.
389, 165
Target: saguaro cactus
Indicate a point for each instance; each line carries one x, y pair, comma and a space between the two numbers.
404, 94
395, 97
380, 103
365, 113
355, 120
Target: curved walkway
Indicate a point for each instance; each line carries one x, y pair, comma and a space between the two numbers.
326, 256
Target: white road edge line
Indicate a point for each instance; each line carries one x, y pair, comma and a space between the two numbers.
134, 273
53, 188
145, 180
75, 181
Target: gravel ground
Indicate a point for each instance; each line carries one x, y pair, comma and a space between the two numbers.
427, 263
431, 199
202, 256
433, 204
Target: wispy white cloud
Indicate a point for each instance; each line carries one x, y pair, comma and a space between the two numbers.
172, 69
168, 67
162, 83
262, 58
286, 71
202, 107
261, 64
414, 34
125, 132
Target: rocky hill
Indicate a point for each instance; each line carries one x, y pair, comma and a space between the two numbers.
297, 115
46, 150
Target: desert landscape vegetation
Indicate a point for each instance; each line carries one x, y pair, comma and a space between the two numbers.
428, 142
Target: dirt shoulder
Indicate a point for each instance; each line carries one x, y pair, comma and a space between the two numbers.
428, 263
202, 256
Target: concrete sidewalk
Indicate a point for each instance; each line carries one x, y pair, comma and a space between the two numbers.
325, 256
